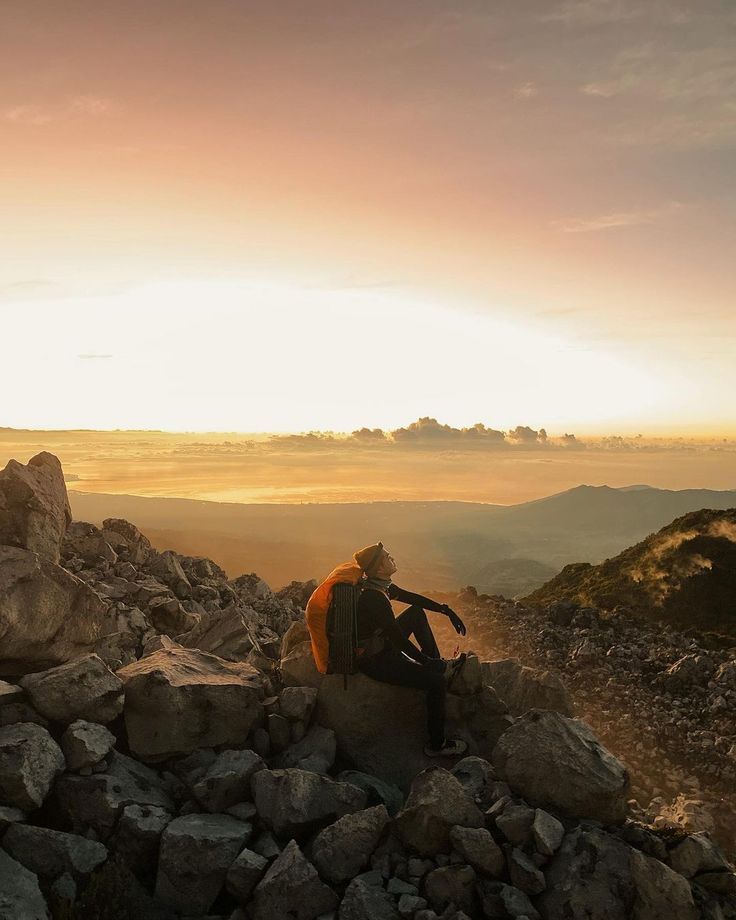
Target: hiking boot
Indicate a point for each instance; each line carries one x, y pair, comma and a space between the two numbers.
456, 747
454, 666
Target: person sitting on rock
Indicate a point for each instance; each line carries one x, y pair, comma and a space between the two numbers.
385, 652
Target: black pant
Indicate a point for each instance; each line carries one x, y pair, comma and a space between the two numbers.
392, 667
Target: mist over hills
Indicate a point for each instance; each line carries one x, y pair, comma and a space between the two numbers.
441, 544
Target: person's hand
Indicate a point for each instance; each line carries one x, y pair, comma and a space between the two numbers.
455, 620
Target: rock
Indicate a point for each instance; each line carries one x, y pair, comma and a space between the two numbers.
86, 743
478, 849
87, 542
297, 703
30, 761
82, 689
20, 896
166, 567
21, 712
279, 732
516, 822
9, 815
722, 883
451, 884
378, 792
127, 540
547, 832
178, 700
697, 853
265, 845
343, 849
501, 900
523, 688
409, 904
470, 679
97, 801
244, 874
10, 693
316, 751
294, 802
688, 672
50, 853
524, 874
225, 633
227, 781
291, 888
137, 836
62, 895
369, 709
196, 852
558, 763
34, 506
68, 616
437, 801
367, 902
595, 876
476, 776
168, 616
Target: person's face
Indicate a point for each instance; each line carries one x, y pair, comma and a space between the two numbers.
386, 566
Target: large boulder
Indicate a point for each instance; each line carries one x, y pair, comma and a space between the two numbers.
47, 615
82, 689
436, 803
97, 801
34, 506
291, 888
30, 761
523, 688
369, 709
178, 700
88, 543
293, 803
558, 763
227, 780
196, 852
85, 744
138, 836
51, 853
595, 876
20, 896
223, 632
341, 850
127, 541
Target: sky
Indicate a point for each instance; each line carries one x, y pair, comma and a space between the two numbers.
290, 216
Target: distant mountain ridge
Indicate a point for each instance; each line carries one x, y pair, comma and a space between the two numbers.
685, 574
442, 545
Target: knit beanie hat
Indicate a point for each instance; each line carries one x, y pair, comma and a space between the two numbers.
369, 556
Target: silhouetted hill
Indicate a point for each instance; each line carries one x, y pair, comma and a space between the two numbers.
684, 574
441, 545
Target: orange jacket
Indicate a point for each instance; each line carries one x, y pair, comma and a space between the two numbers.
318, 605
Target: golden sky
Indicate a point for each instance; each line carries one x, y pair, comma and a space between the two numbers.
223, 214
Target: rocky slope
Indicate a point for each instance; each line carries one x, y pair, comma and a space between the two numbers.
684, 574
168, 750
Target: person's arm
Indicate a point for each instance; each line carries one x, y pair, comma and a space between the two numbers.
408, 597
378, 615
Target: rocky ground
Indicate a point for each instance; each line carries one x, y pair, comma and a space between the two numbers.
167, 749
659, 698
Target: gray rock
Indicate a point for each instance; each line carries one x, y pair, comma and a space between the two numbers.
279, 732
82, 689
558, 763
10, 816
13, 713
50, 854
452, 884
523, 688
166, 567
437, 801
398, 886
62, 895
228, 780
297, 703
477, 777
87, 542
30, 761
69, 618
138, 834
343, 849
524, 874
34, 506
196, 852
244, 874
265, 845
316, 751
367, 902
178, 700
501, 900
20, 896
127, 540
85, 744
547, 832
97, 801
378, 792
291, 888
697, 853
10, 693
294, 803
478, 849
409, 904
516, 822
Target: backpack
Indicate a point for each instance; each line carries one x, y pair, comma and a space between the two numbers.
331, 616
